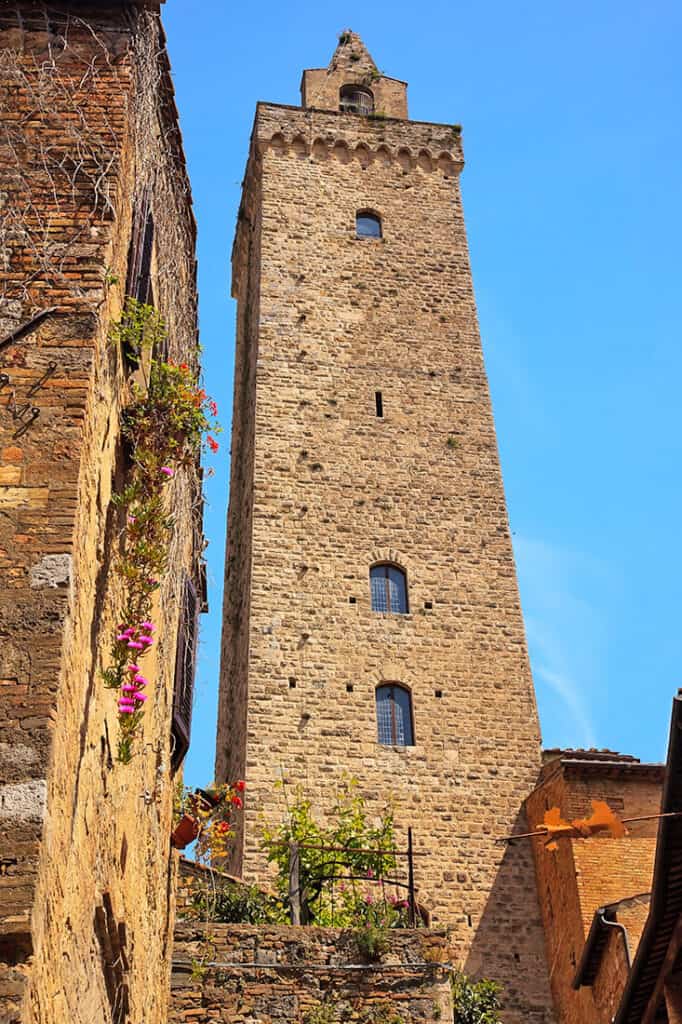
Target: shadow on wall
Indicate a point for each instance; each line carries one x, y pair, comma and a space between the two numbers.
509, 945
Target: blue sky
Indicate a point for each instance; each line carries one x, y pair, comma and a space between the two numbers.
572, 195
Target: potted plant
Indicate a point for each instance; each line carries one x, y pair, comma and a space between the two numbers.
206, 815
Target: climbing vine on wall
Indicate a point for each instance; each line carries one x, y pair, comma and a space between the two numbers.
165, 426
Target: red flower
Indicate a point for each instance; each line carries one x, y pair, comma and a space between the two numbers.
184, 366
240, 786
214, 408
212, 443
223, 827
238, 802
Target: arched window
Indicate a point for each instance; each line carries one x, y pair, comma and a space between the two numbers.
367, 224
394, 716
388, 586
353, 99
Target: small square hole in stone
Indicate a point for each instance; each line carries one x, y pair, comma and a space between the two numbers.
351, 600
349, 687
428, 605
292, 682
439, 693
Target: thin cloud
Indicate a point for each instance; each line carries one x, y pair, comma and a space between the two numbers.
564, 637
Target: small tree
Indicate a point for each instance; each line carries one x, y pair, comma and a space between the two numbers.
341, 883
475, 1002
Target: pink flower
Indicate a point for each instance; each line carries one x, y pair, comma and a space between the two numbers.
122, 637
133, 668
149, 626
129, 687
369, 898
131, 520
128, 709
167, 471
140, 680
135, 646
146, 640
213, 407
140, 696
370, 873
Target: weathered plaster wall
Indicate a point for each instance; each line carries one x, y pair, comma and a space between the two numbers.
335, 488
275, 975
81, 837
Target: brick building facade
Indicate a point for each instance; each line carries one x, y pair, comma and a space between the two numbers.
591, 887
363, 438
94, 202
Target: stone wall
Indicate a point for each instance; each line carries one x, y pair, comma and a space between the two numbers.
88, 126
276, 975
336, 489
353, 65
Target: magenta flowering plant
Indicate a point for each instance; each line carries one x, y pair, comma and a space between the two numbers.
166, 425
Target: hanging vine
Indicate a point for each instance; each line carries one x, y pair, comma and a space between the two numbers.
165, 426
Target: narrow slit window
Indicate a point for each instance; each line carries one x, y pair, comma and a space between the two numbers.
379, 401
388, 586
394, 716
367, 224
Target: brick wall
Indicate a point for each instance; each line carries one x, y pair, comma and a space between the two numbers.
88, 124
585, 874
325, 320
275, 975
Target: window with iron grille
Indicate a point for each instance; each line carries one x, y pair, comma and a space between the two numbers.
353, 99
394, 716
185, 659
388, 588
367, 224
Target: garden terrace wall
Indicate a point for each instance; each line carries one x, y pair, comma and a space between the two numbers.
197, 879
88, 128
272, 975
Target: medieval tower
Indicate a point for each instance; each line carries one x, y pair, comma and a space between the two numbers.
372, 623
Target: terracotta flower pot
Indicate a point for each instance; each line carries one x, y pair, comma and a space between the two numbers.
184, 832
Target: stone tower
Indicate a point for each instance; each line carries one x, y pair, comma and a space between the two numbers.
364, 444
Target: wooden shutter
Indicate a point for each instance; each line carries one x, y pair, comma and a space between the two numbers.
185, 661
138, 284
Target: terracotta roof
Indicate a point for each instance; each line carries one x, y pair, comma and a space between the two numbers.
587, 754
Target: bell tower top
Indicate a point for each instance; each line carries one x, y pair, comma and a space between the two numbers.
353, 84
